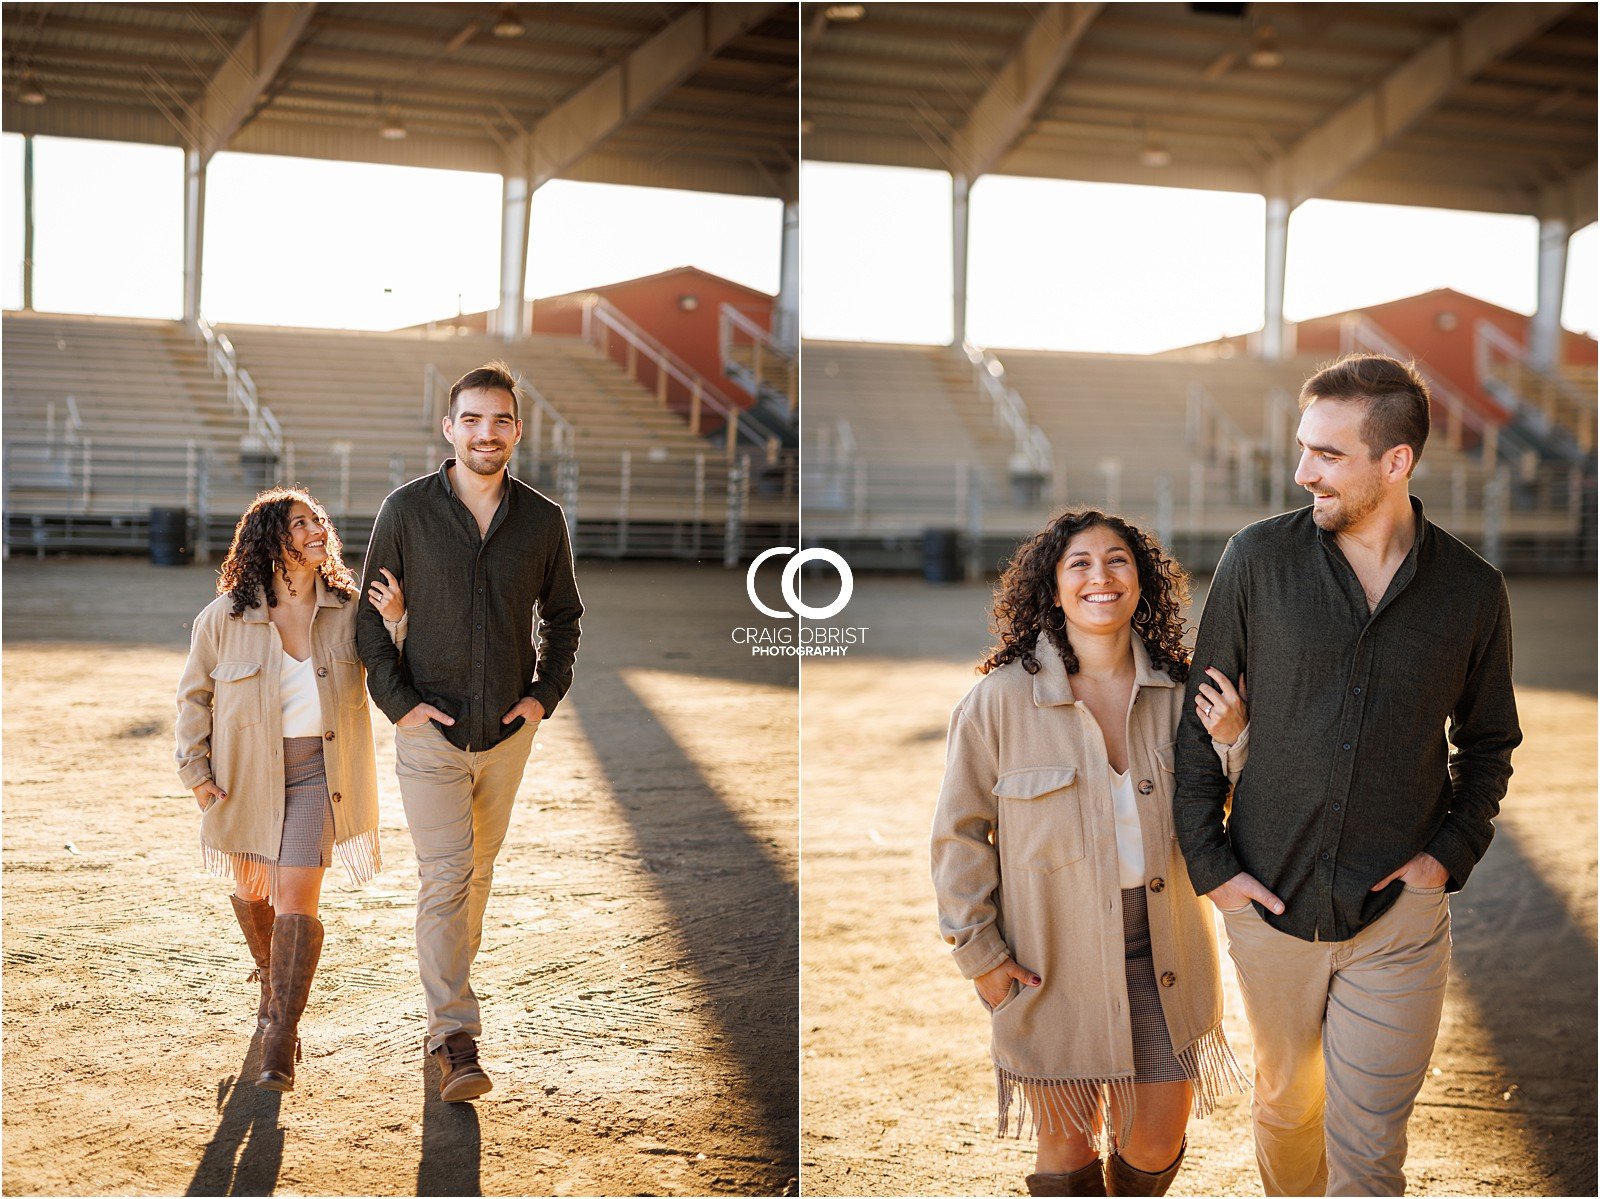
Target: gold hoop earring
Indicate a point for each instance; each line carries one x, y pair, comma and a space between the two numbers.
1062, 627
1149, 611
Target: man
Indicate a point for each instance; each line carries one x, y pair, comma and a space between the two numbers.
475, 552
1363, 630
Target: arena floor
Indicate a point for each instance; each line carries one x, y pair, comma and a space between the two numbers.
638, 973
897, 1095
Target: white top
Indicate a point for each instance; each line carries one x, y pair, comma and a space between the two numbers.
1130, 841
302, 709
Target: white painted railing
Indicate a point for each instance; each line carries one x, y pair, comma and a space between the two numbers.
736, 332
1503, 367
264, 430
602, 321
1032, 449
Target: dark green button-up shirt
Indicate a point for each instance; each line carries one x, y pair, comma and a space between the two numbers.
1373, 735
471, 599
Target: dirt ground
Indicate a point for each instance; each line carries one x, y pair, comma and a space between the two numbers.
638, 974
897, 1090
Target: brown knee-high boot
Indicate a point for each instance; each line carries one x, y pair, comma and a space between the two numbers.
296, 945
1085, 1180
255, 919
1123, 1179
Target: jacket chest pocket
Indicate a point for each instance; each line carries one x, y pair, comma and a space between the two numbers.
348, 678
236, 694
1040, 824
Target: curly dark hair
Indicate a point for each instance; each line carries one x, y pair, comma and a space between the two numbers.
261, 543
1026, 595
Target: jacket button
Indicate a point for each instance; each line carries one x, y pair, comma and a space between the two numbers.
1158, 885
1168, 979
335, 797
1146, 786
328, 736
322, 672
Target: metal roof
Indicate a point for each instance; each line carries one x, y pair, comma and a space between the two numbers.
1488, 107
323, 80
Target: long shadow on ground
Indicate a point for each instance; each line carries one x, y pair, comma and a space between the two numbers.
1530, 972
246, 1152
727, 893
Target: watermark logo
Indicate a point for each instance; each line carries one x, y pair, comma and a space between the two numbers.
800, 640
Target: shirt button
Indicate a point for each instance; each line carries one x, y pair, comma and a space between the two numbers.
1168, 979
335, 797
328, 736
1357, 690
1347, 745
1146, 786
1335, 807
322, 672
479, 626
1158, 885
1324, 857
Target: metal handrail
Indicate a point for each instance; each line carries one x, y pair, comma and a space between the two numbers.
731, 320
434, 386
600, 314
72, 425
1493, 346
263, 425
1361, 333
1032, 448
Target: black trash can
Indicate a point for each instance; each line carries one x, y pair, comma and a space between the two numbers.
941, 555
169, 537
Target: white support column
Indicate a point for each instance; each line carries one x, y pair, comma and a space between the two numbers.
1277, 262
1544, 332
959, 186
194, 228
786, 320
27, 222
516, 201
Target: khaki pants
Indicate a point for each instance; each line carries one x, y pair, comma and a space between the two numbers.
458, 804
1343, 1032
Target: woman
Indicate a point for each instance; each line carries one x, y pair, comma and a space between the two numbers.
1059, 880
275, 739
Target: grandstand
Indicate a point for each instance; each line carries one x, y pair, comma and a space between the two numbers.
901, 439
107, 418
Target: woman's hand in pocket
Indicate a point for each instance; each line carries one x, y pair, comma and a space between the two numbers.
208, 793
994, 986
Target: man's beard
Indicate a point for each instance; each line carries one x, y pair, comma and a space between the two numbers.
485, 462
1353, 507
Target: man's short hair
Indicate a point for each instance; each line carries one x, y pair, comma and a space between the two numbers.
1395, 395
491, 376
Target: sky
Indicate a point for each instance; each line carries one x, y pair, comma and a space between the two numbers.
301, 242
1114, 268
1053, 264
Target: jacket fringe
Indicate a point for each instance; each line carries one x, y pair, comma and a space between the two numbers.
359, 855
1086, 1104
1213, 1071
1057, 1103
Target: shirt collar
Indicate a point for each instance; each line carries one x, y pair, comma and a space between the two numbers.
1052, 686
260, 614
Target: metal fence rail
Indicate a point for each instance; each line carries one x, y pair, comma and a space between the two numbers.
84, 497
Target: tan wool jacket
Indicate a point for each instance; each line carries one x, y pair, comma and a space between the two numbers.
1025, 865
230, 728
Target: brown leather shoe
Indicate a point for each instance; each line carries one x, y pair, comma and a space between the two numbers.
296, 946
255, 919
1086, 1180
1123, 1179
460, 1076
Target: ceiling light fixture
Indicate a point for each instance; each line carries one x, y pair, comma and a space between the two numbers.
1154, 153
1264, 54
31, 92
393, 129
508, 24
845, 12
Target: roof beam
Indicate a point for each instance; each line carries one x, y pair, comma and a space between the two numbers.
1571, 200
1330, 151
247, 72
582, 122
1001, 115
